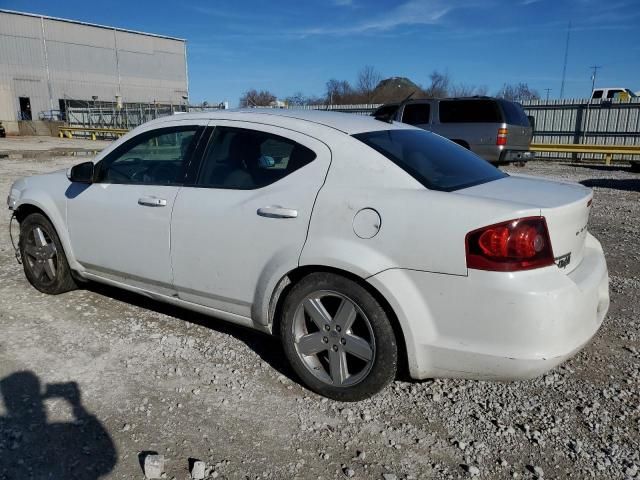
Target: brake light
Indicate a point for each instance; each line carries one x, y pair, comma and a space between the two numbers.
501, 139
520, 244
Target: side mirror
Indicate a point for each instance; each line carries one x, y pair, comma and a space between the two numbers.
81, 173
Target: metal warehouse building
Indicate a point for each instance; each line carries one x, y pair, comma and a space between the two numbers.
49, 63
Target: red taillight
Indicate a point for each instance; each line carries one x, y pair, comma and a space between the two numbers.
501, 139
520, 244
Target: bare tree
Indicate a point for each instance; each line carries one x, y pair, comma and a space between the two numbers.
368, 80
297, 99
465, 90
439, 87
254, 98
518, 92
339, 92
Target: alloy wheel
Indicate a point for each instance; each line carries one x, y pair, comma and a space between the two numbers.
41, 255
334, 338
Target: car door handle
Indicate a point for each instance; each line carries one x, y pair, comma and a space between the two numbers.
277, 211
152, 202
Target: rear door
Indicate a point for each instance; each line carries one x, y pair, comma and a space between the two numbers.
242, 225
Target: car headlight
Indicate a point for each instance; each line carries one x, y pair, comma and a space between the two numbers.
12, 199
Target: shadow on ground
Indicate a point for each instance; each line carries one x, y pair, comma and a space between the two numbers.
629, 184
267, 347
33, 448
602, 168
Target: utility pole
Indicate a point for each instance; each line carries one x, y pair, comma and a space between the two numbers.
593, 75
593, 85
547, 90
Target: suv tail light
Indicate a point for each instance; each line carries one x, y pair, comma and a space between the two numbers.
501, 139
520, 244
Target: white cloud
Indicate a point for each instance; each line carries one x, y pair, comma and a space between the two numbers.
412, 12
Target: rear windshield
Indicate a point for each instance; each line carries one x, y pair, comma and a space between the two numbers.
514, 114
435, 162
470, 111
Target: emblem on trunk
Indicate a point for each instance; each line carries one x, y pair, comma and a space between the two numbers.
563, 260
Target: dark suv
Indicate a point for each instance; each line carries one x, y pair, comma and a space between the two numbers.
497, 130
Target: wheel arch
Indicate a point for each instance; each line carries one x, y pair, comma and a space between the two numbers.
294, 276
29, 206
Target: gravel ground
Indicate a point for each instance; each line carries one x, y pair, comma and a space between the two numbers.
95, 377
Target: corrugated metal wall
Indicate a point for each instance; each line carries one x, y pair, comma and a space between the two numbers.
578, 121
48, 59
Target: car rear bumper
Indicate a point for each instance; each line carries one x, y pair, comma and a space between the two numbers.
494, 325
516, 156
506, 153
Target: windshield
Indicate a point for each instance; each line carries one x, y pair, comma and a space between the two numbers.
435, 162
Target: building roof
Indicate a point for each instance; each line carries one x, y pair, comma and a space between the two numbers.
78, 22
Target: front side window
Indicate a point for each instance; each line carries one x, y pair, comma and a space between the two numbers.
416, 113
245, 159
435, 162
157, 157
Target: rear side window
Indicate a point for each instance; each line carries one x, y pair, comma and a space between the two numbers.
597, 94
245, 159
437, 163
416, 113
469, 111
514, 114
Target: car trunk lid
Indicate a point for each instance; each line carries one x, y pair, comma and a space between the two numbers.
565, 207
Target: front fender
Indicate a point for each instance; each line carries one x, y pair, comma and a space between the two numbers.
53, 206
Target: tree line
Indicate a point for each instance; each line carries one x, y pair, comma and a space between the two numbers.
370, 87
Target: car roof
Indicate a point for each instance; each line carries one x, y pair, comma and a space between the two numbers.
348, 123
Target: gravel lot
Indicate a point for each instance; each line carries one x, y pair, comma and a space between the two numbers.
120, 375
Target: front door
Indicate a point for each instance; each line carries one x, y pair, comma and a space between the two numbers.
242, 226
120, 225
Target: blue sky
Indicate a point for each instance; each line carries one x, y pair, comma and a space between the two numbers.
289, 46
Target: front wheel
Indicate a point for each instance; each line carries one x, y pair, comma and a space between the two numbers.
338, 338
45, 264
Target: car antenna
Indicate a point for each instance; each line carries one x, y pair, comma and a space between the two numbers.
388, 117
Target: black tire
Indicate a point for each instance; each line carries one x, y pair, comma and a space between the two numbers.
370, 323
45, 266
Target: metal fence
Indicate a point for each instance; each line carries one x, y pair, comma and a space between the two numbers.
578, 121
127, 117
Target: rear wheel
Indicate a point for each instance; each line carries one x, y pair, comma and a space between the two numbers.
43, 259
338, 338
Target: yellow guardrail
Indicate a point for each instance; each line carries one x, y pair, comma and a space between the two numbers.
607, 150
92, 131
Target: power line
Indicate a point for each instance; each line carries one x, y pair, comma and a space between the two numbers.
566, 58
547, 90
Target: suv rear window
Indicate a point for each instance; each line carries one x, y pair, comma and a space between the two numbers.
435, 162
470, 111
514, 114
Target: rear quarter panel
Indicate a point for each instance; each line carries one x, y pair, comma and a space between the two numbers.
420, 229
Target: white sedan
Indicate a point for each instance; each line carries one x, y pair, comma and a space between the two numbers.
366, 245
